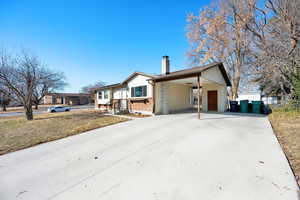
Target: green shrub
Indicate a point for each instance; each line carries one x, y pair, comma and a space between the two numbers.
296, 86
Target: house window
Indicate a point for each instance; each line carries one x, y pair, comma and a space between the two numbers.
140, 91
105, 94
100, 95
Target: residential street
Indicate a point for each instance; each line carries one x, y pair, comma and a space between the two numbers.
43, 110
168, 157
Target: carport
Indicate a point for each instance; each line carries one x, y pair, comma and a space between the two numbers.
173, 91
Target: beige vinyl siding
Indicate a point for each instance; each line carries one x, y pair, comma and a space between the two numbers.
222, 96
172, 97
140, 80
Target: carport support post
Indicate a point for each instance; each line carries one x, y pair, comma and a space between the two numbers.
198, 84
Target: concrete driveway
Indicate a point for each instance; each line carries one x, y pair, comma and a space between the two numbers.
171, 157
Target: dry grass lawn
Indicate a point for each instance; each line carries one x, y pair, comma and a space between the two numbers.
20, 109
287, 128
17, 133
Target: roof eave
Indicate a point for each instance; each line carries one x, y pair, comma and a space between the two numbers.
170, 77
225, 75
134, 74
109, 86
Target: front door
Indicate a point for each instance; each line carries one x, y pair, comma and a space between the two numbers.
212, 100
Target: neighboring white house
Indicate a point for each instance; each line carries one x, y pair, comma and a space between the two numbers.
168, 92
249, 96
258, 97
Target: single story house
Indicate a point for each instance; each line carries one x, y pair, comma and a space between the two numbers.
168, 92
67, 98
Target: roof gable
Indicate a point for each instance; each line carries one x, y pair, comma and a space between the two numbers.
117, 85
192, 72
135, 74
185, 73
225, 75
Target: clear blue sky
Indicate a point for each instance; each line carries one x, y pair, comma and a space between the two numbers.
98, 40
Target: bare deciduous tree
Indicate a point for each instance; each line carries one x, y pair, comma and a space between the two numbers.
22, 75
48, 82
218, 34
5, 97
89, 89
276, 37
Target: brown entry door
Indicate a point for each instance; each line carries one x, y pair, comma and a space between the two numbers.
212, 100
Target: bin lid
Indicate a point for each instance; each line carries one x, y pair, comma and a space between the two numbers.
256, 102
244, 100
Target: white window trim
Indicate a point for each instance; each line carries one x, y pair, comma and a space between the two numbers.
100, 92
107, 94
140, 96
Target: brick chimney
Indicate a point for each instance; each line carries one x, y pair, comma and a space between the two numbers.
165, 65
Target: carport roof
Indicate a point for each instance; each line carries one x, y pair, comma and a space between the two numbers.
192, 72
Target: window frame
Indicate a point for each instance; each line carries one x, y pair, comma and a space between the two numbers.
144, 91
100, 96
106, 94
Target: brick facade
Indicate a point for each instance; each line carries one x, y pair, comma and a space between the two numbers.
104, 106
48, 99
114, 105
65, 98
140, 104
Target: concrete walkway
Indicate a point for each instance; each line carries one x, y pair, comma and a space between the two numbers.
170, 157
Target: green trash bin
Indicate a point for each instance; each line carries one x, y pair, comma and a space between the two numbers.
244, 106
256, 105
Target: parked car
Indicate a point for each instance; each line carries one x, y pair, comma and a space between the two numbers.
58, 109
